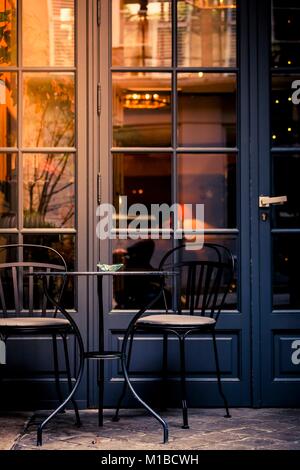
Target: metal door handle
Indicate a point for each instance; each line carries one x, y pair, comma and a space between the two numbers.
266, 201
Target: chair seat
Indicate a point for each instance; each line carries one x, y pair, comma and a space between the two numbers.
176, 321
33, 322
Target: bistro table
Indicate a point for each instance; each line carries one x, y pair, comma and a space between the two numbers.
101, 354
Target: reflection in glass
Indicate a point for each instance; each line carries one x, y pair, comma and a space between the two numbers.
8, 109
285, 114
136, 176
134, 292
286, 171
286, 262
210, 180
285, 33
206, 109
48, 26
141, 109
206, 33
8, 190
48, 110
49, 190
8, 32
65, 244
141, 33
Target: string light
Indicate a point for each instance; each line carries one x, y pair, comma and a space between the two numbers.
274, 137
277, 101
289, 62
289, 129
289, 98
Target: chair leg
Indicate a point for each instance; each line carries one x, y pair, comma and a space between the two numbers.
100, 392
68, 369
164, 372
56, 370
183, 383
219, 375
116, 417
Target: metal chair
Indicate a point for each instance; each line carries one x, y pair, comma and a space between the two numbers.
201, 289
25, 308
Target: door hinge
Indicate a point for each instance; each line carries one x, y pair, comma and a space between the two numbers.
99, 188
98, 99
98, 12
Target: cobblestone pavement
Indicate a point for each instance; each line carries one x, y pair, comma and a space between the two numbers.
247, 429
11, 425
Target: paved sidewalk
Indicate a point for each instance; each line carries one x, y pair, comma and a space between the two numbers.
12, 425
209, 430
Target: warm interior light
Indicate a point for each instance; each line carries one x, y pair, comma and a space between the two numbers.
145, 100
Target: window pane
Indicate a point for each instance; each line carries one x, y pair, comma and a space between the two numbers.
286, 259
286, 170
285, 33
8, 109
134, 292
135, 176
65, 245
210, 180
141, 109
48, 32
48, 110
206, 33
141, 33
206, 110
8, 190
8, 32
49, 190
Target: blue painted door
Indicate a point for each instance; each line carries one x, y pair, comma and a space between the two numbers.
276, 258
177, 82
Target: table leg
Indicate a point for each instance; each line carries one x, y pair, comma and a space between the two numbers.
135, 394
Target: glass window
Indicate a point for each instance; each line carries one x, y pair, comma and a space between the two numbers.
285, 33
135, 176
206, 32
8, 109
141, 109
49, 190
8, 190
286, 259
286, 171
206, 110
48, 110
65, 244
134, 292
48, 26
285, 111
8, 33
209, 179
141, 33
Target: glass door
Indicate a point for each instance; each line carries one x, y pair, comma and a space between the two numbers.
42, 151
279, 225
171, 79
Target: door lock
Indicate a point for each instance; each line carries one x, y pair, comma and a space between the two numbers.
266, 201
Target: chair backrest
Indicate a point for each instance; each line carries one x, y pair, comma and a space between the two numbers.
205, 278
21, 294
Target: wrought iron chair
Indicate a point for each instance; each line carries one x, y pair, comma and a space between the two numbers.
25, 309
202, 289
